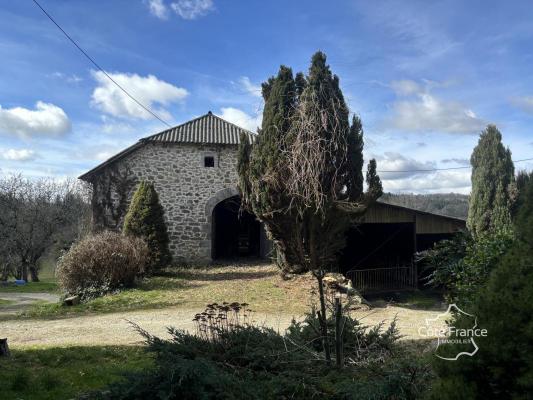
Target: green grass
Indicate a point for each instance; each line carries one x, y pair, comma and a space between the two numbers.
259, 285
62, 373
47, 282
31, 287
5, 302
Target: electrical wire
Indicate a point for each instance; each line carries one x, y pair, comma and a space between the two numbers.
441, 169
147, 109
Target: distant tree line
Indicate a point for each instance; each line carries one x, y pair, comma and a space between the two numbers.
450, 204
38, 217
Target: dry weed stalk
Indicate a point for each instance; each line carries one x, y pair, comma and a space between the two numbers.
221, 318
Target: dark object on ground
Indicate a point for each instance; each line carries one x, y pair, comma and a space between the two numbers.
4, 348
72, 301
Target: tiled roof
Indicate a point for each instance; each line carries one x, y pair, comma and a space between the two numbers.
207, 129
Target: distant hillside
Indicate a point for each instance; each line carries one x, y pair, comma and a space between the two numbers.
451, 204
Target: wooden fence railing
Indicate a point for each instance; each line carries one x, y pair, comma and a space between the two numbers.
383, 279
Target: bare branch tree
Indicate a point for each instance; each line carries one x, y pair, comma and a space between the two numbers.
36, 215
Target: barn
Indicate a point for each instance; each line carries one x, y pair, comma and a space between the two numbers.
379, 253
193, 168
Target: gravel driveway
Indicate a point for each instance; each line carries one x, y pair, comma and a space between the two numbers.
109, 329
114, 329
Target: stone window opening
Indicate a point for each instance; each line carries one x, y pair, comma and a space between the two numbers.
209, 161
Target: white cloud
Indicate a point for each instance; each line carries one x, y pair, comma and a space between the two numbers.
524, 102
240, 118
424, 112
457, 181
461, 161
148, 90
405, 87
46, 119
248, 86
393, 162
158, 8
420, 179
67, 78
18, 155
192, 9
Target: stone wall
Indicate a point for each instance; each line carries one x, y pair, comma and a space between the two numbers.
187, 190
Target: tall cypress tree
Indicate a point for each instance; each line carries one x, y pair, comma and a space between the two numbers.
492, 179
354, 184
299, 171
261, 173
145, 219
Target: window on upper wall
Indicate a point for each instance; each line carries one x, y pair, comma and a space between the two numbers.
209, 161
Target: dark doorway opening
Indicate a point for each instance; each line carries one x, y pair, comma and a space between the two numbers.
378, 245
236, 233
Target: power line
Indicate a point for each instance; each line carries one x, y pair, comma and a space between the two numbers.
100, 68
444, 169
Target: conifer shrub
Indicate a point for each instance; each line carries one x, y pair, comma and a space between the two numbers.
503, 366
251, 362
145, 219
102, 263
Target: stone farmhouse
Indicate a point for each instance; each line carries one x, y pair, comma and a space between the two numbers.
193, 168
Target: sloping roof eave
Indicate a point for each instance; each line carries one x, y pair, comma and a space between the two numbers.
87, 175
207, 129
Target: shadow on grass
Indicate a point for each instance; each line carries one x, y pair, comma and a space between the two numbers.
428, 300
168, 281
65, 372
195, 275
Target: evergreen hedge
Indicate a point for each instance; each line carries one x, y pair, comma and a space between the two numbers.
145, 219
503, 366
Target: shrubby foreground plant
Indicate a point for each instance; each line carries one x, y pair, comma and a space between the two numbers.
102, 263
245, 361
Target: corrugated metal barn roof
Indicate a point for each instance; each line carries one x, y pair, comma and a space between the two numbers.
207, 129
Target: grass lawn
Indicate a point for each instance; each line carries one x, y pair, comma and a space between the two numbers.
62, 373
258, 285
46, 286
5, 302
47, 282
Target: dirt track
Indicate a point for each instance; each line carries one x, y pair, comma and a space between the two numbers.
24, 300
114, 328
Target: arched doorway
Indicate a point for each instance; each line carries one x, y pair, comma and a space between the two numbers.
235, 233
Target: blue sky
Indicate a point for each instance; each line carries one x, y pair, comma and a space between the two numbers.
425, 77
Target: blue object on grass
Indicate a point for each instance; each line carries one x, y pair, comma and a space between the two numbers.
20, 282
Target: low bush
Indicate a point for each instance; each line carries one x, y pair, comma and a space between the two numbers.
102, 263
462, 265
